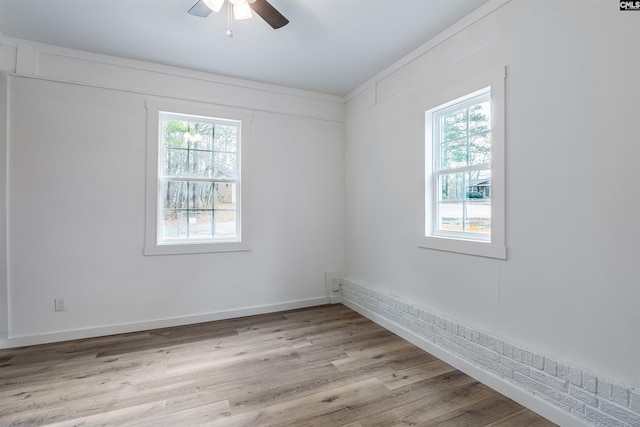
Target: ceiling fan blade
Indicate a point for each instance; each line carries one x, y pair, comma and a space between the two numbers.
268, 13
200, 9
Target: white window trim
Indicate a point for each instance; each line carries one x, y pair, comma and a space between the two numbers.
496, 246
152, 246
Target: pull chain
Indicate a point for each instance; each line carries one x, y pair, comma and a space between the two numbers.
229, 20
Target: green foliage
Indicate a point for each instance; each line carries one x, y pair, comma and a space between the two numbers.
464, 136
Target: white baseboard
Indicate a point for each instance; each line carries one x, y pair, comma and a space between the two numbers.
26, 340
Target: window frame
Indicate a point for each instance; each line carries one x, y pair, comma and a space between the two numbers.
153, 243
461, 242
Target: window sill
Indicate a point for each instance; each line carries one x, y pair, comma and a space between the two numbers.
196, 248
468, 247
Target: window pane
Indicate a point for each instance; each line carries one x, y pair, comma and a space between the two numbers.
173, 133
225, 165
451, 186
200, 164
225, 226
478, 184
175, 162
200, 224
174, 225
224, 195
478, 205
450, 216
454, 125
175, 195
480, 118
478, 216
454, 153
465, 202
202, 136
200, 195
479, 149
225, 138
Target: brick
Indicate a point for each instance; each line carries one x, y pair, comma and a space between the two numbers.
507, 373
498, 346
455, 348
522, 356
620, 413
589, 382
517, 354
548, 380
537, 361
428, 327
558, 398
455, 328
485, 352
529, 382
413, 311
576, 405
515, 366
600, 419
554, 401
479, 338
402, 306
428, 334
439, 322
425, 315
508, 350
634, 400
550, 367
583, 395
563, 372
491, 342
443, 333
462, 342
620, 395
492, 365
468, 334
451, 327
604, 388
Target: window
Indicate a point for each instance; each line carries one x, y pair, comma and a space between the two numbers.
196, 199
461, 144
464, 170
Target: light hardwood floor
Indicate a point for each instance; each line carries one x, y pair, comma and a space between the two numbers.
323, 366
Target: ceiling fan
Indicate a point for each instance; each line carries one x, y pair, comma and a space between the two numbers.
241, 9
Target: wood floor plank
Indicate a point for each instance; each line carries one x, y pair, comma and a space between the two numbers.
297, 411
405, 377
522, 418
320, 366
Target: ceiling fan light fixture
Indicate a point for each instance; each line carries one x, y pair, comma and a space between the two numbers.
241, 9
214, 5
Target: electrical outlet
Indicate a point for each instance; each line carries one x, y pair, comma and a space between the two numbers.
60, 304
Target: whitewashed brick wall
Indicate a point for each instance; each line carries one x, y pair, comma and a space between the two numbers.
586, 396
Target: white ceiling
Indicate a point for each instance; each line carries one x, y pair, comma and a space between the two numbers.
329, 46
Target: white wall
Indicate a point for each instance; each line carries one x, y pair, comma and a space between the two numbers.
76, 199
569, 289
4, 315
